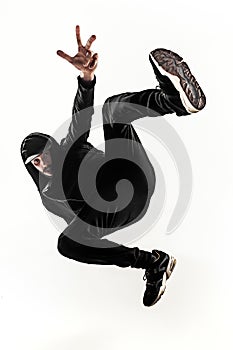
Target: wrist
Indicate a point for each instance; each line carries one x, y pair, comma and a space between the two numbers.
87, 84
87, 76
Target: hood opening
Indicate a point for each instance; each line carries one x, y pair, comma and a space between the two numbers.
36, 143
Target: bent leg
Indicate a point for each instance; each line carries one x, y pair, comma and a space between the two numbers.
80, 243
118, 113
129, 106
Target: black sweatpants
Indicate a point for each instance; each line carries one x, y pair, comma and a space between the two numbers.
83, 239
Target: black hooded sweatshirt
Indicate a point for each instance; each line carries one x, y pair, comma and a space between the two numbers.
60, 193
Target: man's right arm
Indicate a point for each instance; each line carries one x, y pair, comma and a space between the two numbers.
82, 112
86, 61
58, 208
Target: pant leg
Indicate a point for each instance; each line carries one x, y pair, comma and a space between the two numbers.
119, 111
129, 106
84, 238
78, 242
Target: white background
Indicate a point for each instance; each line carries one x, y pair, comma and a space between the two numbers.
50, 302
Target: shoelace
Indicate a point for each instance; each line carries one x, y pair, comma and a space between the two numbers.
148, 271
154, 283
147, 277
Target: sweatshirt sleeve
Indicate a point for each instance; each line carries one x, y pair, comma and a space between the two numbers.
59, 209
82, 113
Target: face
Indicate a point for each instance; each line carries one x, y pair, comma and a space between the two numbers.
43, 163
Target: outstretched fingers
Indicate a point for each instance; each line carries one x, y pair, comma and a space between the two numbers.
79, 41
89, 42
65, 56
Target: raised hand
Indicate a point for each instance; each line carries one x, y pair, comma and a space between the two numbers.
85, 60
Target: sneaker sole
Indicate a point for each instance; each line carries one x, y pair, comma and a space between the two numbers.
172, 65
171, 266
167, 274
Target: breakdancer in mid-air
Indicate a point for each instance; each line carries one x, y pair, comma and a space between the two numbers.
55, 166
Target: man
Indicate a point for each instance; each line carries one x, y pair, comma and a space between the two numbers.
54, 167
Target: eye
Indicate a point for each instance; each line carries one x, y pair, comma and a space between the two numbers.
36, 161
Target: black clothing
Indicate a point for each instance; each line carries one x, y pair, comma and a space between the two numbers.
82, 240
71, 147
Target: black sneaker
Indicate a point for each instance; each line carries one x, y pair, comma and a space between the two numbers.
174, 75
156, 276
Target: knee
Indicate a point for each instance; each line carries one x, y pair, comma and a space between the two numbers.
62, 246
113, 110
68, 248
107, 104
107, 101
107, 110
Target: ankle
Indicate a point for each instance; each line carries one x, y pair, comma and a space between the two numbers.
176, 105
144, 260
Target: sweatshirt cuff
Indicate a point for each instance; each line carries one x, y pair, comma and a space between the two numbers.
87, 84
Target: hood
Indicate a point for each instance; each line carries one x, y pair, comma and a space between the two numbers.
33, 144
